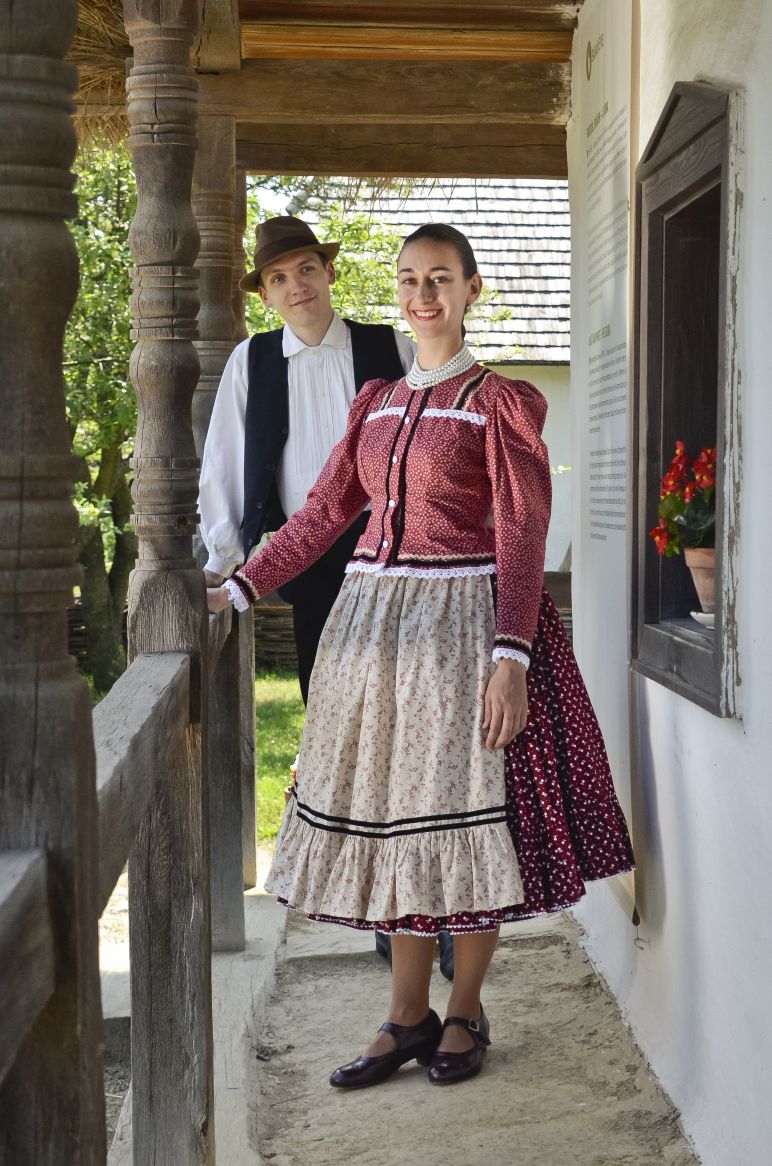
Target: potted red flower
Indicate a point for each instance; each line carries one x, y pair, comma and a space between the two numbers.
687, 517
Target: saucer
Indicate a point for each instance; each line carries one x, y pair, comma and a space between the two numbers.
706, 618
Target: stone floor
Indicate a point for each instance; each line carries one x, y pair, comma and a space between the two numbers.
563, 1084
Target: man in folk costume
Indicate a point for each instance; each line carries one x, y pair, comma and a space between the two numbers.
281, 406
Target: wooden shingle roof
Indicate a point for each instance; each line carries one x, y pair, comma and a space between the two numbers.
520, 232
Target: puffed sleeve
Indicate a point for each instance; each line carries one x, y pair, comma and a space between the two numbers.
519, 471
334, 501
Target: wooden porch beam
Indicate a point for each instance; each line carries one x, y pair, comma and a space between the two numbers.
481, 151
346, 42
219, 39
522, 14
415, 93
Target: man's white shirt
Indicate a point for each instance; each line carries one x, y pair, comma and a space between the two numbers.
321, 391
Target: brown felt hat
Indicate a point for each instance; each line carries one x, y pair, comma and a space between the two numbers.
279, 237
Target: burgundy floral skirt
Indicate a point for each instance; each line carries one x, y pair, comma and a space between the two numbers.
562, 812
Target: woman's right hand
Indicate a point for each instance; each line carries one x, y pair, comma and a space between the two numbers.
506, 704
217, 599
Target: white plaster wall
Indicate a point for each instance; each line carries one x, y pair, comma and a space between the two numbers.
698, 992
553, 380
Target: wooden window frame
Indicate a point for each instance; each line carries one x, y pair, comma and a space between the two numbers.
696, 143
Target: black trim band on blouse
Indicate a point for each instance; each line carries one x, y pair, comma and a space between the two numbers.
400, 517
468, 390
392, 455
245, 588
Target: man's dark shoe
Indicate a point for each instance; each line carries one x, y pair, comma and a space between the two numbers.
446, 954
383, 945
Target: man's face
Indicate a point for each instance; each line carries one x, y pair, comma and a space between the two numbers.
298, 288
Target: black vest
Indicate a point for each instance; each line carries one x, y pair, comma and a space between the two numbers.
266, 424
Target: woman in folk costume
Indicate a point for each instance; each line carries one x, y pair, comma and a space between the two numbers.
452, 775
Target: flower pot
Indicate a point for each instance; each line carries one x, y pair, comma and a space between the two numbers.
701, 561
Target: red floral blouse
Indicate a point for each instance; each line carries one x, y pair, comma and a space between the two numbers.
459, 482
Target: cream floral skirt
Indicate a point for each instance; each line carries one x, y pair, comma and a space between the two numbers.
398, 809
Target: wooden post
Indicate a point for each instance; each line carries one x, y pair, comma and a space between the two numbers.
214, 189
248, 776
247, 618
239, 254
52, 1099
213, 194
225, 793
169, 908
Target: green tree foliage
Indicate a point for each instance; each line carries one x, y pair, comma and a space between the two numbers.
101, 405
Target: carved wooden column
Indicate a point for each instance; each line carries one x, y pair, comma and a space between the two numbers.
52, 1099
239, 254
214, 187
168, 869
247, 618
213, 204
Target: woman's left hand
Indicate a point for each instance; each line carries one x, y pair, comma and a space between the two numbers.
217, 599
506, 704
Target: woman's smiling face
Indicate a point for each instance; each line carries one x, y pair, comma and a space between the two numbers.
433, 292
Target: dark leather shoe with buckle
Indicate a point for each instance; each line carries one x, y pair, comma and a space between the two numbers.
449, 1068
413, 1042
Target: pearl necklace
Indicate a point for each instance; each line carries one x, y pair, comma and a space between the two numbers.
424, 378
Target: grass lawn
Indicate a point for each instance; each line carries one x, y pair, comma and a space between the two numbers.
279, 715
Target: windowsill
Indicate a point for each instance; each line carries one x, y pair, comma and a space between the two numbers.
689, 630
680, 654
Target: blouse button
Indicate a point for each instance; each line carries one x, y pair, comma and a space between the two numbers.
392, 502
385, 543
394, 459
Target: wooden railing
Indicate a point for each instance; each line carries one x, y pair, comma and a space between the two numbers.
139, 730
26, 948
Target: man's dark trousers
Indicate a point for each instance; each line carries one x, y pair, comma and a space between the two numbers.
266, 428
313, 594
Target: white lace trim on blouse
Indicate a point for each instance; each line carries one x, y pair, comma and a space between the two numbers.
456, 415
512, 654
424, 572
238, 598
453, 414
392, 411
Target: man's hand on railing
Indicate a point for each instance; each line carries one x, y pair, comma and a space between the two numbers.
217, 599
213, 579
